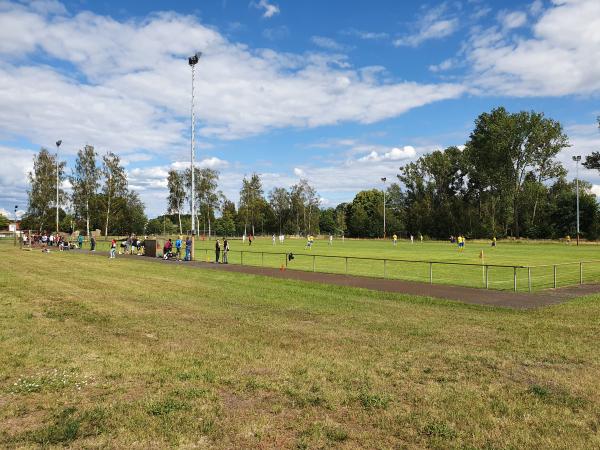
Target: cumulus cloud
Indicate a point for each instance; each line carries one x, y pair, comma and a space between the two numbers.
394, 154
557, 56
126, 87
269, 9
299, 172
433, 25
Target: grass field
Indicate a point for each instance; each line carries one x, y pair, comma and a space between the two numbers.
98, 353
507, 253
539, 256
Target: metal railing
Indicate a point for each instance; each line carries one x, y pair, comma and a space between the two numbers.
488, 276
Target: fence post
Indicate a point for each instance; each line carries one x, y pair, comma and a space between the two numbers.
285, 258
430, 273
346, 265
487, 268
313, 263
581, 273
384, 264
529, 278
515, 279
554, 276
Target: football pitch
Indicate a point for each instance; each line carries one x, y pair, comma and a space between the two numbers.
99, 353
529, 262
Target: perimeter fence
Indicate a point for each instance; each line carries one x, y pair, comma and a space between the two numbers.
516, 278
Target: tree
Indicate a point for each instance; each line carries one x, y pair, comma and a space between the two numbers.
4, 222
593, 161
250, 196
279, 199
503, 148
115, 182
42, 189
327, 221
177, 194
85, 181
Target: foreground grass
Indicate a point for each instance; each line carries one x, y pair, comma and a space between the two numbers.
126, 353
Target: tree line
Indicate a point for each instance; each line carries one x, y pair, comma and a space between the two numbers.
100, 197
506, 181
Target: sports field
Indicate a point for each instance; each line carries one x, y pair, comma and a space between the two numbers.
541, 256
99, 353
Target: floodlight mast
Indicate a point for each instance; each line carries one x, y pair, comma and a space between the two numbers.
384, 179
577, 158
192, 61
57, 145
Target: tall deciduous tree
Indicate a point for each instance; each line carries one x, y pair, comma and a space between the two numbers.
85, 182
177, 194
279, 199
251, 197
42, 188
115, 182
503, 148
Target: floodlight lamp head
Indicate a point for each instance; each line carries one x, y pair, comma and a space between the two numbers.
384, 179
193, 60
577, 158
58, 143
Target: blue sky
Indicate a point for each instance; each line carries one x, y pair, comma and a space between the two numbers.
341, 93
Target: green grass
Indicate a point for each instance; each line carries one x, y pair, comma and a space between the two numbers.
99, 353
541, 256
332, 259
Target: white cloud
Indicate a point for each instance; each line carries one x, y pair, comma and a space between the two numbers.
447, 64
270, 9
11, 214
299, 172
394, 154
366, 35
327, 43
126, 86
433, 25
16, 163
515, 19
559, 56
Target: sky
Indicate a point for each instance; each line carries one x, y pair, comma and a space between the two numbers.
340, 93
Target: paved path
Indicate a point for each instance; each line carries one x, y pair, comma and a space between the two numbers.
521, 300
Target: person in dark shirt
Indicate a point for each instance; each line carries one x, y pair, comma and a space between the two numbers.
217, 251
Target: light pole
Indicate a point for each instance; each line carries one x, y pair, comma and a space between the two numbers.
192, 61
577, 159
16, 207
57, 145
384, 179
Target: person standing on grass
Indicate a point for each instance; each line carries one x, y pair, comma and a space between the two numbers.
113, 249
217, 251
188, 249
273, 238
421, 237
92, 244
494, 241
178, 248
330, 240
412, 239
225, 251
80, 241
250, 237
395, 238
